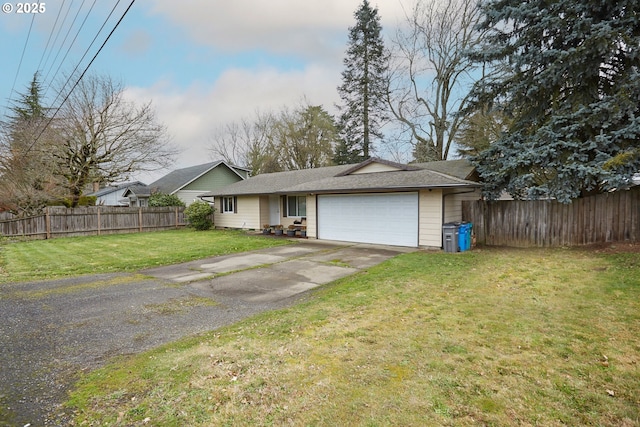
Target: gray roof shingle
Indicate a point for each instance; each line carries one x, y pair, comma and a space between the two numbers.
460, 168
331, 179
107, 190
271, 183
138, 190
175, 180
179, 178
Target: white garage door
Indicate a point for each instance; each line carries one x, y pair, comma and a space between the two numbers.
388, 219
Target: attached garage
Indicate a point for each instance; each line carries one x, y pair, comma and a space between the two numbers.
379, 218
375, 201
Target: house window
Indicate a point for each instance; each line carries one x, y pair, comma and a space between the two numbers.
297, 206
229, 204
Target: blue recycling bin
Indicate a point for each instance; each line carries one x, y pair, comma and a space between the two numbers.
464, 236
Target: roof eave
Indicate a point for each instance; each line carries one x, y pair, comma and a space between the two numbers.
385, 188
348, 190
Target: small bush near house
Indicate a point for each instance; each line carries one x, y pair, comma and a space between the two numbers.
198, 214
160, 200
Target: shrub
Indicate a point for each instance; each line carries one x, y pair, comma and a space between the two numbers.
82, 201
159, 200
199, 215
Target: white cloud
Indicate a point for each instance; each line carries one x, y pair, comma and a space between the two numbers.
192, 115
315, 31
306, 28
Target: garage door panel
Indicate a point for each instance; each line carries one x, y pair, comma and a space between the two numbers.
389, 218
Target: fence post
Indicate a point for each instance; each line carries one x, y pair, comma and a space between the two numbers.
47, 222
99, 220
140, 219
176, 217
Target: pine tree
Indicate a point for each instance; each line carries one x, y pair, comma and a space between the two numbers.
27, 183
571, 92
29, 106
363, 90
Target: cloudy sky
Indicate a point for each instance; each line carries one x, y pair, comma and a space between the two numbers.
202, 63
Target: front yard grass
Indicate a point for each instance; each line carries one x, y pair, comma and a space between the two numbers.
489, 337
48, 259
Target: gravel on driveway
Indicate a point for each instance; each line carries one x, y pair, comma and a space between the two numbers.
53, 331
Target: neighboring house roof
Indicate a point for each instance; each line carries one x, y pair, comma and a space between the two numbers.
180, 178
138, 190
346, 178
111, 189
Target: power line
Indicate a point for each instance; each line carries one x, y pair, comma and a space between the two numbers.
86, 50
70, 46
58, 35
51, 34
79, 78
24, 49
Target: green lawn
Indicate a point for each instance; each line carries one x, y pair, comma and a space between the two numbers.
47, 259
489, 337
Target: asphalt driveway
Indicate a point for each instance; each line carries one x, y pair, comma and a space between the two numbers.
52, 331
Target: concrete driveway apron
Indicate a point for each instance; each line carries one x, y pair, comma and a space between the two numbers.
279, 273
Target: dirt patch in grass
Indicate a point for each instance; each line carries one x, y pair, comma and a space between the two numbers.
613, 248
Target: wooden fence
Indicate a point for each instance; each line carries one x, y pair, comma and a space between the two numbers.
610, 217
92, 220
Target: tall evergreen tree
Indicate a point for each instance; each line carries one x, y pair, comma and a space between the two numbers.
29, 105
27, 182
363, 89
572, 93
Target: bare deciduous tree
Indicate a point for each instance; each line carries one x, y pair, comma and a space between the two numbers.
105, 138
247, 143
27, 180
431, 74
301, 138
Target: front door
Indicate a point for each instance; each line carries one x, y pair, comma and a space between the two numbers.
274, 210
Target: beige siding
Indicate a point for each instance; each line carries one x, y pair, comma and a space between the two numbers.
248, 215
430, 218
312, 219
374, 167
453, 203
264, 210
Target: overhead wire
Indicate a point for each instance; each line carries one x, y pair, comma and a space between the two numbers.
57, 110
58, 35
70, 45
11, 93
72, 73
55, 24
24, 49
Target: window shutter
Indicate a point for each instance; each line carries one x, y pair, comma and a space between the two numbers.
284, 206
235, 204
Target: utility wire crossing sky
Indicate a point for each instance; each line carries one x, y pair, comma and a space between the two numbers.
202, 63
